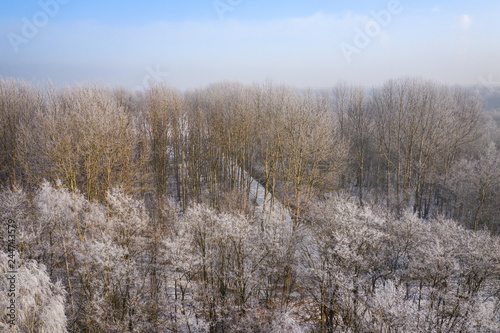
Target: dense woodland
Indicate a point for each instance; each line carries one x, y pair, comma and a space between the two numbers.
252, 208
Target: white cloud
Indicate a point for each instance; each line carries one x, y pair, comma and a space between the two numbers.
465, 22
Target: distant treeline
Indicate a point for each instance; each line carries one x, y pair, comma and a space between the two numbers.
409, 143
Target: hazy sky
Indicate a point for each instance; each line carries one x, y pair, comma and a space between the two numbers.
189, 44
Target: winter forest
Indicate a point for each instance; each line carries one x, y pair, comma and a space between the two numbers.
250, 208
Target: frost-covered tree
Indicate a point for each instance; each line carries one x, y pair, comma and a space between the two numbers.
366, 272
342, 261
39, 303
158, 222
19, 102
112, 268
475, 184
